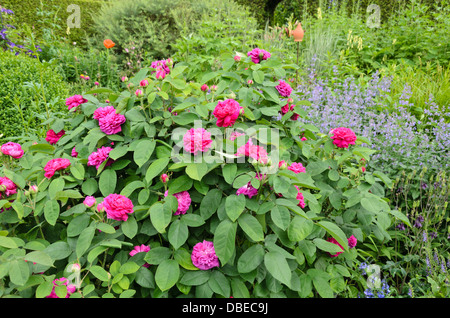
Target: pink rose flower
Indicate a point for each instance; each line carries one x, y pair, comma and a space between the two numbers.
12, 149
296, 167
184, 201
143, 83
237, 58
109, 121
247, 190
74, 153
301, 200
75, 101
204, 87
54, 165
52, 137
352, 241
253, 151
204, 256
304, 139
139, 249
343, 137
197, 139
227, 112
103, 111
139, 93
286, 108
236, 134
257, 55
284, 88
117, 207
89, 201
98, 157
62, 281
161, 67
7, 186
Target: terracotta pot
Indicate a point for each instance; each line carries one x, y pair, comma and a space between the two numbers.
298, 33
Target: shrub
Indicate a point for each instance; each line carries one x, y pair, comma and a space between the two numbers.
29, 92
150, 195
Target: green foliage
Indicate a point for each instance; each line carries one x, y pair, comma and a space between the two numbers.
29, 91
267, 245
35, 12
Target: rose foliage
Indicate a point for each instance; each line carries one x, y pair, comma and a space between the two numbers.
182, 190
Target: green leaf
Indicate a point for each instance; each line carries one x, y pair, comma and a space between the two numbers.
182, 183
129, 227
160, 216
229, 172
157, 255
77, 171
155, 168
210, 203
84, 240
195, 278
224, 240
131, 187
183, 257
258, 76
44, 289
51, 211
144, 151
251, 227
19, 272
167, 274
327, 246
100, 273
400, 216
196, 170
234, 206
178, 233
335, 232
299, 228
374, 204
280, 216
39, 257
219, 284
129, 268
77, 224
7, 242
118, 152
278, 267
107, 182
250, 259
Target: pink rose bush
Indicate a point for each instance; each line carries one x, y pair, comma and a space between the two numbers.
227, 112
204, 256
343, 137
12, 149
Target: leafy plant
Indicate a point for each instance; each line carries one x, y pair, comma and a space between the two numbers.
120, 205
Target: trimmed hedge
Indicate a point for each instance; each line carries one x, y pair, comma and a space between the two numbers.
25, 12
15, 72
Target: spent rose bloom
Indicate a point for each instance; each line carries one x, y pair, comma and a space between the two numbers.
12, 149
75, 101
247, 190
227, 112
184, 201
204, 256
286, 108
343, 137
62, 281
54, 165
117, 207
98, 157
197, 140
7, 186
89, 201
257, 55
52, 137
284, 88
